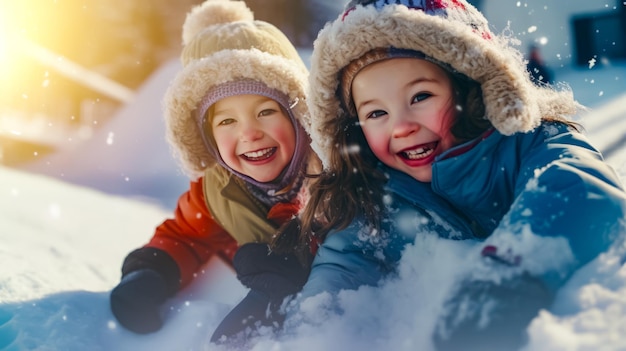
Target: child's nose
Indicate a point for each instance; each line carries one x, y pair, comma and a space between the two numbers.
250, 132
404, 127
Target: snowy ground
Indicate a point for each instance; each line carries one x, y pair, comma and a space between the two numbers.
63, 245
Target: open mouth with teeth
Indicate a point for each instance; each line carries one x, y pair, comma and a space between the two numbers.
420, 152
259, 155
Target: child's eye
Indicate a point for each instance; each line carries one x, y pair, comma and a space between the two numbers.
226, 121
376, 114
420, 97
267, 112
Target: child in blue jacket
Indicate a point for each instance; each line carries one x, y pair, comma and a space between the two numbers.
417, 106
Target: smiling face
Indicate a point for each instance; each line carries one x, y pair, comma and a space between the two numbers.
254, 136
406, 108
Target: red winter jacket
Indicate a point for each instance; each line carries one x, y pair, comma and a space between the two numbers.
191, 238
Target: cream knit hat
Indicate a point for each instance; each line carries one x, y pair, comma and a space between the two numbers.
224, 44
451, 32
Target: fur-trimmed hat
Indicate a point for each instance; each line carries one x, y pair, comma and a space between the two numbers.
223, 44
450, 32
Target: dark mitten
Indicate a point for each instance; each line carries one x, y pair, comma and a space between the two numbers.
136, 301
277, 275
253, 311
271, 278
486, 315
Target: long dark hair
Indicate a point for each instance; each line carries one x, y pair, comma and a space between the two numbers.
352, 184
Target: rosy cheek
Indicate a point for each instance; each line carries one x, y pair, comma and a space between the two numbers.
378, 145
449, 117
226, 146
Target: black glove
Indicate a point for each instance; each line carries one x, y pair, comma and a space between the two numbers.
277, 275
238, 326
271, 277
495, 315
136, 301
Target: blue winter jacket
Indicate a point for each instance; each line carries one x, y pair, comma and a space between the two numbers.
550, 178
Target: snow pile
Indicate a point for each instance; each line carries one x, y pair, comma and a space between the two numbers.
63, 246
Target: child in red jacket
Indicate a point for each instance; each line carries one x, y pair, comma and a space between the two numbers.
233, 120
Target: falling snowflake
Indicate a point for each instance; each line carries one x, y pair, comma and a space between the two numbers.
592, 63
110, 138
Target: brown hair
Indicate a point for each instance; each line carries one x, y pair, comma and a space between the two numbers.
352, 184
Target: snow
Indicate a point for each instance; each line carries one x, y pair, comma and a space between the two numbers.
128, 154
64, 237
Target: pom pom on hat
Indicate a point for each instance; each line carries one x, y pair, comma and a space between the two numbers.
213, 12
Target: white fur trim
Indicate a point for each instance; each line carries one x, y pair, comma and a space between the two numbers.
513, 104
192, 83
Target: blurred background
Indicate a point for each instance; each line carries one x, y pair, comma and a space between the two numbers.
81, 81
73, 63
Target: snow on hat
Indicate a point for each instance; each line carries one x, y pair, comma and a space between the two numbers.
224, 44
449, 32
